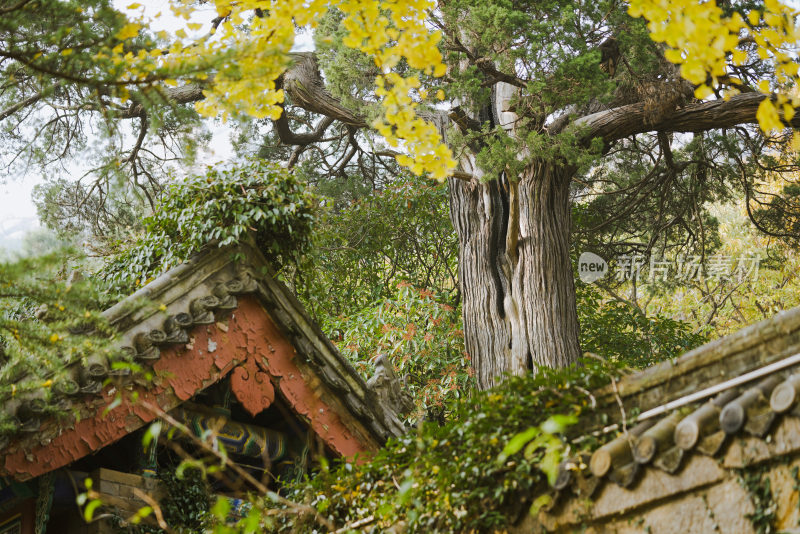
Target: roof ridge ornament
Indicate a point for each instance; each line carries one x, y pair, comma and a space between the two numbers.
385, 384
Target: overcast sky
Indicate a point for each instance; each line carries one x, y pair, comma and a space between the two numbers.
17, 212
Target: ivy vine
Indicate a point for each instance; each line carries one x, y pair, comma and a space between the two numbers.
218, 208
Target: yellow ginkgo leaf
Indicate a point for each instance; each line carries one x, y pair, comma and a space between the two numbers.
673, 56
788, 112
768, 117
796, 141
702, 91
128, 31
739, 57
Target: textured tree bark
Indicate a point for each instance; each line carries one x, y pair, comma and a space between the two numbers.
546, 285
477, 211
515, 271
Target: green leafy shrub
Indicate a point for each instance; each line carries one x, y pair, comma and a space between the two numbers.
475, 473
185, 504
366, 243
422, 337
621, 332
220, 207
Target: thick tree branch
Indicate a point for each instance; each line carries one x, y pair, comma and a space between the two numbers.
302, 82
288, 137
306, 88
632, 119
185, 94
4, 114
464, 121
484, 64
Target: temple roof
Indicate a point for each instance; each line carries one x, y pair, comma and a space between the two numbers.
220, 314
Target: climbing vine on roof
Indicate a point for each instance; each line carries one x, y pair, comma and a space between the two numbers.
218, 208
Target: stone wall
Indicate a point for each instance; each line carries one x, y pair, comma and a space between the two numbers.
118, 492
754, 484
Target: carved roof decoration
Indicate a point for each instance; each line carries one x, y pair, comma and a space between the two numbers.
748, 413
220, 313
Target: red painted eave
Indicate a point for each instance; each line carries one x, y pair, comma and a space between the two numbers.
248, 345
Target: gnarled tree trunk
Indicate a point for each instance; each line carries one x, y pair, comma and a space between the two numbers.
515, 271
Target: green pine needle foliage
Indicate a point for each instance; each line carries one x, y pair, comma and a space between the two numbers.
46, 322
